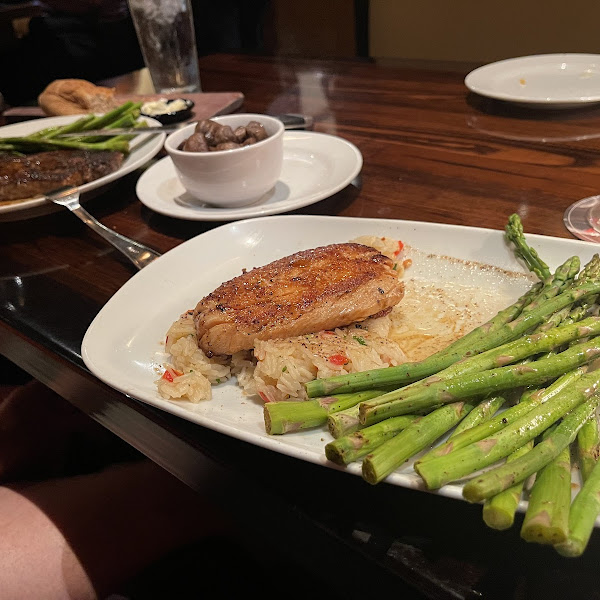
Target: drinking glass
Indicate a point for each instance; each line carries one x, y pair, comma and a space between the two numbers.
582, 219
165, 31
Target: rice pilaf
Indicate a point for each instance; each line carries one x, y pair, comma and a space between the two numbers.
277, 369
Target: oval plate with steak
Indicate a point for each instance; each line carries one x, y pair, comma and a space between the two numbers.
31, 175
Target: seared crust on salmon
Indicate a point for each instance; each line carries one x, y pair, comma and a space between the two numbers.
313, 290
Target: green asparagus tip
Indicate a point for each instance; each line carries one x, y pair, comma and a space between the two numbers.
514, 233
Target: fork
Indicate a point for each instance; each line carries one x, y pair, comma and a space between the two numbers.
137, 253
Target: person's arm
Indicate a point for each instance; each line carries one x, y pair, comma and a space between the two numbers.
88, 535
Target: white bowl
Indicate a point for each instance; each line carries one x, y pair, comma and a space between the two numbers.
230, 178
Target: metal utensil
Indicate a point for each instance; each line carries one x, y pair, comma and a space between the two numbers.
290, 121
123, 130
137, 253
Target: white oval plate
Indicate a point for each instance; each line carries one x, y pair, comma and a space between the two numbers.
143, 148
554, 81
315, 166
123, 348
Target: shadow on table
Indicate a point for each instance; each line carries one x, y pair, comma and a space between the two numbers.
502, 108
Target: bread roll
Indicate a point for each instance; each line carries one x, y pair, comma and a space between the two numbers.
76, 96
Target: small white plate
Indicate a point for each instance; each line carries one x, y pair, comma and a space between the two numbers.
553, 81
143, 148
315, 166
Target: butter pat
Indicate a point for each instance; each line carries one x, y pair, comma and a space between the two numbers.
163, 106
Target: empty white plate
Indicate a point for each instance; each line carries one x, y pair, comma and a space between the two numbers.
315, 166
552, 81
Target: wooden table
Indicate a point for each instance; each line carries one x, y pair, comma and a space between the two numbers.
432, 152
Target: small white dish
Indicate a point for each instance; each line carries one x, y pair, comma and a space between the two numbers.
234, 177
315, 166
143, 147
552, 81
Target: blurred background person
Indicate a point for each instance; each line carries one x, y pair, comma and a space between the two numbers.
96, 40
80, 39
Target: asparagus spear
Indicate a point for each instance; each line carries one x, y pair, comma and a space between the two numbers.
564, 277
46, 138
460, 463
9, 148
571, 313
547, 517
529, 400
391, 454
515, 234
127, 120
129, 136
590, 271
499, 510
408, 372
505, 354
582, 516
343, 422
283, 417
483, 412
28, 146
473, 384
88, 122
560, 317
578, 313
498, 479
51, 132
588, 443
109, 118
351, 447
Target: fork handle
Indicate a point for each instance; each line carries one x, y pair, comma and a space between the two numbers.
137, 253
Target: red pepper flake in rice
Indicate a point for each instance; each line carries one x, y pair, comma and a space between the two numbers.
170, 374
339, 360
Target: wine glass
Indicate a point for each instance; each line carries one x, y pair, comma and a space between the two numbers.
582, 219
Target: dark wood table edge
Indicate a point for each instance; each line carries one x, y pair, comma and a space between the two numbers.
314, 545
91, 396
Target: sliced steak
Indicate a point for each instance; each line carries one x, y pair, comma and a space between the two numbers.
28, 176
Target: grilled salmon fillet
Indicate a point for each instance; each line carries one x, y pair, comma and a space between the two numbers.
28, 176
309, 291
